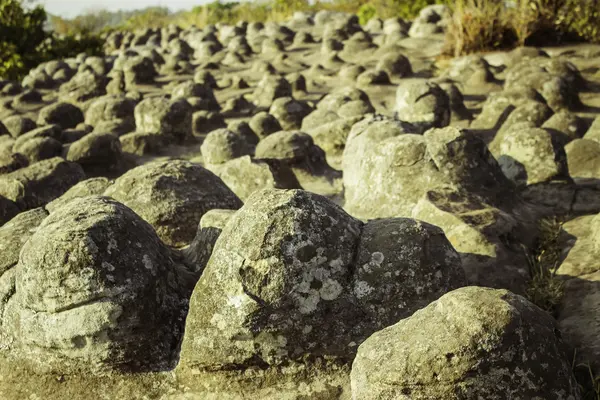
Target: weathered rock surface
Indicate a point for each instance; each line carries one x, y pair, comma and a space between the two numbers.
172, 196
471, 343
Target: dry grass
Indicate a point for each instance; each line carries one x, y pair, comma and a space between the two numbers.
545, 288
481, 25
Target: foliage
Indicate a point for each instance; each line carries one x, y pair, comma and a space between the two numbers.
24, 43
480, 25
545, 288
366, 12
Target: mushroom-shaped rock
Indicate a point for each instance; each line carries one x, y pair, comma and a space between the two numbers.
96, 291
166, 117
290, 112
64, 115
471, 343
96, 152
423, 103
245, 175
530, 155
271, 88
39, 183
298, 151
222, 145
263, 124
172, 196
284, 264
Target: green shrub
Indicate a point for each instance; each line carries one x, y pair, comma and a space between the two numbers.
24, 43
365, 13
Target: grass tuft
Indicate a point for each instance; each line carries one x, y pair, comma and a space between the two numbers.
545, 288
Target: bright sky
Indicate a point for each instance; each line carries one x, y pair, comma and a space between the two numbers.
71, 8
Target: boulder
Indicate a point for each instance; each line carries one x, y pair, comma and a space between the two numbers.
471, 343
161, 116
222, 145
18, 125
96, 152
40, 183
41, 148
290, 112
285, 263
64, 115
88, 187
423, 103
122, 309
172, 196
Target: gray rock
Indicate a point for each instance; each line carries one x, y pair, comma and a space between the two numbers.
50, 131
566, 126
479, 343
263, 124
96, 152
305, 245
161, 116
139, 70
8, 209
111, 108
530, 155
222, 145
423, 103
18, 125
290, 112
122, 310
583, 158
88, 187
269, 89
64, 115
244, 176
142, 144
331, 137
396, 65
40, 183
41, 148
172, 196
211, 225
203, 92
83, 87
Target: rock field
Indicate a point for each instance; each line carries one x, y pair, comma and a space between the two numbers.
306, 210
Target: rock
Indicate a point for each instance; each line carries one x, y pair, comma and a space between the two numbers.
40, 183
317, 118
212, 223
204, 93
172, 196
309, 243
289, 112
83, 87
490, 245
204, 122
269, 89
373, 77
88, 187
244, 176
41, 148
331, 137
578, 317
161, 116
97, 153
139, 70
242, 128
18, 125
142, 144
532, 113
123, 311
593, 132
10, 162
529, 156
8, 209
118, 109
13, 235
64, 115
205, 78
396, 65
565, 125
263, 124
499, 105
478, 341
50, 131
222, 145
583, 158
423, 103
